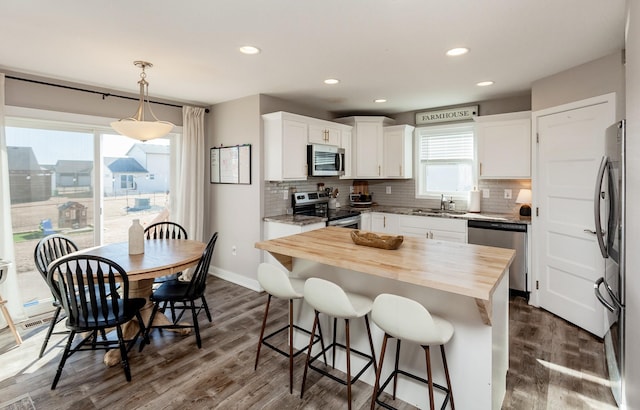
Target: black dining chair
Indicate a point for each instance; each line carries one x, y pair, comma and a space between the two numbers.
182, 295
47, 250
86, 285
165, 230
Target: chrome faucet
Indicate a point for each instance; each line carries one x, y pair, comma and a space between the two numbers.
443, 203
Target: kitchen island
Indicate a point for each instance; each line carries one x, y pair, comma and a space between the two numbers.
466, 284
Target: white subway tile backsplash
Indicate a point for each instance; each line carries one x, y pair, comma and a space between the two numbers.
403, 194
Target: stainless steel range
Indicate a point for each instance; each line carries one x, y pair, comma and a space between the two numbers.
317, 204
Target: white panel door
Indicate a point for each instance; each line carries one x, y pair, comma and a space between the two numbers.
570, 147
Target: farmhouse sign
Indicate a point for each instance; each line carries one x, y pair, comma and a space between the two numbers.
451, 114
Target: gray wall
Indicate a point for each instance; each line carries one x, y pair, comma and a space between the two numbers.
234, 211
44, 97
598, 77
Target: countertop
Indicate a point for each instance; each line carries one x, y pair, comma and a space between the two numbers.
463, 269
303, 220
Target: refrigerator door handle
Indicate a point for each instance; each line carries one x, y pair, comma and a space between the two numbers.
596, 206
613, 296
596, 289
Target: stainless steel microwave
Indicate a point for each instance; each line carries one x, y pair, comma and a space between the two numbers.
325, 160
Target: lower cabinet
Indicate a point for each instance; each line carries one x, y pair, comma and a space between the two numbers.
444, 229
274, 230
365, 221
385, 223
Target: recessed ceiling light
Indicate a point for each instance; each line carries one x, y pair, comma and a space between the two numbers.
380, 100
457, 51
484, 83
331, 81
249, 50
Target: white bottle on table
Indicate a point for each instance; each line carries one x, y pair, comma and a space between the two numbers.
136, 238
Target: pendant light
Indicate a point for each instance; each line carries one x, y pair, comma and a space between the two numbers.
136, 126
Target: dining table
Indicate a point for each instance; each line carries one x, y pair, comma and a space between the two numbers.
161, 257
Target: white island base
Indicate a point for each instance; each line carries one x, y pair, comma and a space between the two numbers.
478, 354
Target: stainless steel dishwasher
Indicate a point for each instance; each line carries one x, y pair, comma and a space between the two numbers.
509, 235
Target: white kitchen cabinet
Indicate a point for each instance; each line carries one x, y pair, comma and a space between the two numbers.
398, 151
504, 145
365, 221
445, 229
285, 147
368, 145
346, 143
324, 133
286, 136
274, 230
384, 222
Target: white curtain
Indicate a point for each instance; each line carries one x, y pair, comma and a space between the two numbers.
188, 188
9, 289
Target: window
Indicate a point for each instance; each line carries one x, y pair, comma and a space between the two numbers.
56, 187
126, 182
446, 158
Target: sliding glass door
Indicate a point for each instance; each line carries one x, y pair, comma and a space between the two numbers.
85, 183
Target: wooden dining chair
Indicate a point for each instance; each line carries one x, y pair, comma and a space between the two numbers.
47, 250
182, 295
165, 230
86, 284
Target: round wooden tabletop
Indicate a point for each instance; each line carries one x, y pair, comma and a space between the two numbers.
161, 257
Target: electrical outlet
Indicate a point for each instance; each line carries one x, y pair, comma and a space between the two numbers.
234, 250
507, 194
485, 193
388, 190
285, 194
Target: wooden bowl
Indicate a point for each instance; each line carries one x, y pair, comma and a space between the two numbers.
376, 241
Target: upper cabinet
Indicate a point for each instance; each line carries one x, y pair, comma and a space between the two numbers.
323, 133
379, 150
398, 151
286, 137
504, 145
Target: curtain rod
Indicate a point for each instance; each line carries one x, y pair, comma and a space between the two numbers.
103, 94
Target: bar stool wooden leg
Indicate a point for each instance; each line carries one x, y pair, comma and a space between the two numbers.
395, 378
306, 366
348, 345
264, 324
429, 378
7, 317
290, 346
446, 373
376, 385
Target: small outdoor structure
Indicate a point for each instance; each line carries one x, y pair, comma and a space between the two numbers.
72, 215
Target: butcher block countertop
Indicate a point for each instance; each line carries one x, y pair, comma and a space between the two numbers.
463, 269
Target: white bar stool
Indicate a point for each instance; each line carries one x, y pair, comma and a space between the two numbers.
277, 283
406, 319
328, 298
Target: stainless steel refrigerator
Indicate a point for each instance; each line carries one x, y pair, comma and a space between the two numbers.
609, 216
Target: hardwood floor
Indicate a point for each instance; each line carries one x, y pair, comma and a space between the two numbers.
553, 365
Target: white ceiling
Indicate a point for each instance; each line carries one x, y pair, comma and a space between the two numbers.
393, 49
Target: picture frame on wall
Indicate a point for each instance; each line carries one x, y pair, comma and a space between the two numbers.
230, 165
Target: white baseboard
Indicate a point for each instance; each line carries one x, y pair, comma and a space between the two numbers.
236, 278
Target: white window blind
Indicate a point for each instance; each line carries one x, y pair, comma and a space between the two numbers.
446, 158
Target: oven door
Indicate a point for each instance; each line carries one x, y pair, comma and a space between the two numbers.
350, 222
